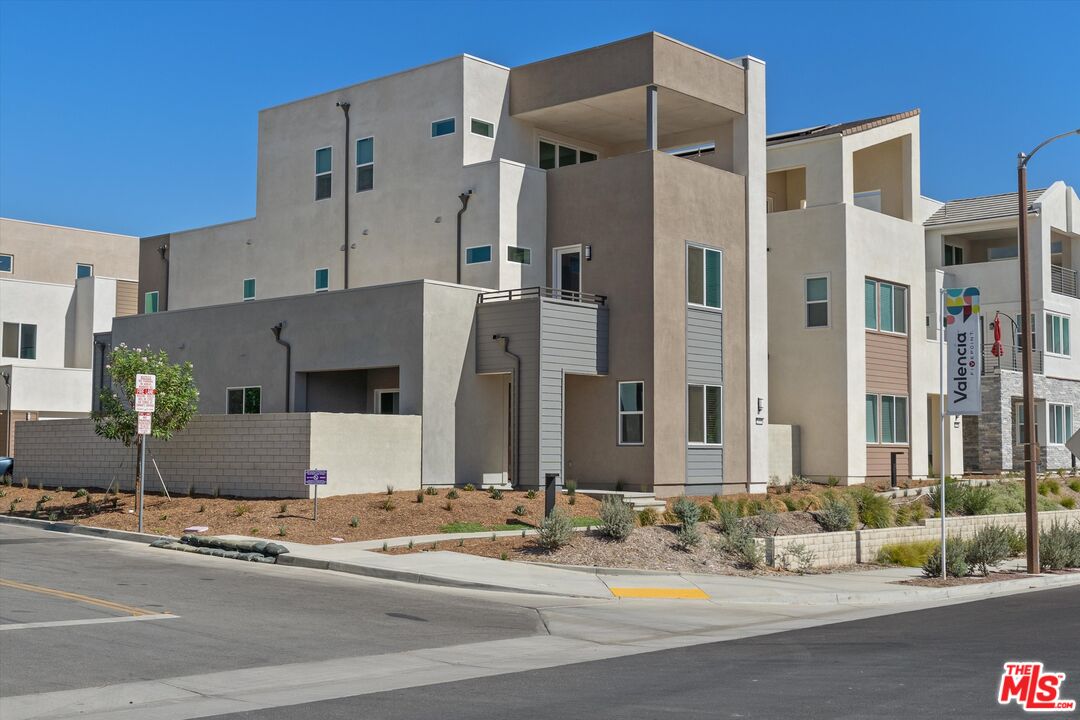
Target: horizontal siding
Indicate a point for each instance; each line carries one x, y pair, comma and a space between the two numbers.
887, 363
877, 461
127, 298
704, 465
704, 346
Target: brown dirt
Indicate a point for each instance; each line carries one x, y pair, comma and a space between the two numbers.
263, 518
995, 576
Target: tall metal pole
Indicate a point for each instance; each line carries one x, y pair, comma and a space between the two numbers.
941, 408
142, 475
1030, 447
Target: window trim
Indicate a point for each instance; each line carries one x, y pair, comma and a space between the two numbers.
490, 125
1066, 331
578, 149
528, 254
11, 263
359, 165
254, 290
877, 306
453, 130
82, 265
315, 280
619, 412
379, 392
478, 262
827, 301
330, 172
243, 405
880, 410
1066, 422
704, 277
157, 302
705, 415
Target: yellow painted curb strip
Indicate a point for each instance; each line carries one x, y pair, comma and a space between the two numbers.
108, 605
661, 593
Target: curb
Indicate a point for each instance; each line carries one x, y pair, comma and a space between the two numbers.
89, 530
598, 570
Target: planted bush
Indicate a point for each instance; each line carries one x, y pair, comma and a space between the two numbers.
977, 500
430, 490
954, 497
555, 530
836, 514
873, 510
741, 547
909, 554
452, 494
1068, 503
647, 517
955, 560
688, 536
1074, 484
519, 510
616, 518
727, 517
686, 510
706, 512
796, 558
1059, 546
988, 547
495, 493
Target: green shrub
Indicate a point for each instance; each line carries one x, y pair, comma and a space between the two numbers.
1059, 546
555, 531
452, 494
977, 500
909, 554
1049, 487
902, 515
988, 547
686, 510
354, 522
283, 507
81, 493
430, 490
955, 561
389, 489
836, 514
954, 497
706, 512
420, 496
1074, 484
647, 517
1017, 542
1068, 503
616, 518
469, 487
873, 510
495, 493
387, 504
519, 510
790, 503
727, 517
796, 558
688, 536
1008, 497
741, 547
571, 487
833, 481
281, 531
531, 495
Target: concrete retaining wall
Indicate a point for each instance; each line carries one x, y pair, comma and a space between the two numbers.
862, 546
237, 455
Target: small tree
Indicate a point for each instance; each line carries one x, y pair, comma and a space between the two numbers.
176, 399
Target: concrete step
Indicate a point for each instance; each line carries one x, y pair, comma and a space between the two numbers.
637, 500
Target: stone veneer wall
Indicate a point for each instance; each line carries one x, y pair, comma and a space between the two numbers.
998, 449
862, 546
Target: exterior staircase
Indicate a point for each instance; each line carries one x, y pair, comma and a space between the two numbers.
637, 500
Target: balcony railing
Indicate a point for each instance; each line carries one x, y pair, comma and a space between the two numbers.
540, 292
1011, 358
1063, 281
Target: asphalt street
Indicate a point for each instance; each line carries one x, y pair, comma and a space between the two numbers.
942, 662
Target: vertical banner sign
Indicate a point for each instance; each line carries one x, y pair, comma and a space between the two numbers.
963, 365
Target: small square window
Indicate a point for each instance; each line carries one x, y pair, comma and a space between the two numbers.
475, 255
7, 263
83, 270
519, 255
481, 127
442, 127
249, 289
322, 280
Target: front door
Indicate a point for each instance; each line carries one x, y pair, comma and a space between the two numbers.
566, 270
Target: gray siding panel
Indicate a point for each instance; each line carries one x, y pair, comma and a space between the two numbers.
704, 465
704, 364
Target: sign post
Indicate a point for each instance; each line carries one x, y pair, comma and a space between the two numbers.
145, 401
315, 477
961, 370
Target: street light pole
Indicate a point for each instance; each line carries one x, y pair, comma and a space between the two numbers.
1030, 448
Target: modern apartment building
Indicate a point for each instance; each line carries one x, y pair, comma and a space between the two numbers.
973, 242
528, 257
58, 286
853, 358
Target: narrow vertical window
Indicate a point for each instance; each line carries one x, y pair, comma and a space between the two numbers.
886, 295
870, 293
365, 164
28, 342
1057, 335
11, 340
547, 155
632, 413
871, 419
322, 280
323, 172
816, 294
249, 289
150, 302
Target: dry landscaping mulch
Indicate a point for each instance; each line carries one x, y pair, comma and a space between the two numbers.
265, 518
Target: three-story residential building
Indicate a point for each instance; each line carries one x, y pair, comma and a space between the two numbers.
523, 256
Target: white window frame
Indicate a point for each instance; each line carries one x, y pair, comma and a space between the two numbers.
11, 263
556, 266
243, 289
481, 120
442, 120
1018, 423
359, 165
315, 280
704, 276
330, 172
528, 254
379, 392
1066, 422
619, 413
243, 405
828, 301
82, 265
157, 302
478, 262
877, 419
705, 415
1065, 347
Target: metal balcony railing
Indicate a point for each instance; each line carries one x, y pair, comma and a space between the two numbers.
1063, 281
1011, 358
540, 292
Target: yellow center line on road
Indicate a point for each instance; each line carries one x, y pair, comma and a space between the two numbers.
107, 604
660, 593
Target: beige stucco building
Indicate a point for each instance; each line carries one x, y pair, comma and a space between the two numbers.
58, 286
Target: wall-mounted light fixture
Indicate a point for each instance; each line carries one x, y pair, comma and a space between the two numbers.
761, 405
438, 219
588, 253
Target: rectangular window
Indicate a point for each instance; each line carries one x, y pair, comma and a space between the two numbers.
83, 270
27, 341
1020, 332
482, 127
11, 340
886, 307
150, 302
816, 295
870, 293
7, 263
324, 160
1018, 420
704, 407
556, 154
1002, 253
954, 255
476, 255
871, 419
632, 413
1060, 423
249, 289
442, 127
1057, 335
547, 155
704, 281
243, 401
585, 156
519, 255
365, 164
387, 401
322, 280
891, 423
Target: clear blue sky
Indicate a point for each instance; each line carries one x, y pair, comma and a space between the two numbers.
141, 117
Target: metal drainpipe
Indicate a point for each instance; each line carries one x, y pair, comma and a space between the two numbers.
345, 109
516, 402
288, 361
464, 198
